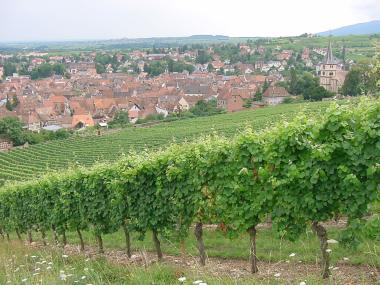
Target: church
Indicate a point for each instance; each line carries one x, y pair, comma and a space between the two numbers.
331, 72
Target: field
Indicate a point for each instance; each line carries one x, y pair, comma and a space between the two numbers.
23, 164
295, 182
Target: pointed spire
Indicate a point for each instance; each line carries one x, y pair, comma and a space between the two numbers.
329, 55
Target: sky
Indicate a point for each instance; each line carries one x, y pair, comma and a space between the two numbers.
52, 20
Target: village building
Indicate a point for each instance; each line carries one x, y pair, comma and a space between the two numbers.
275, 95
331, 72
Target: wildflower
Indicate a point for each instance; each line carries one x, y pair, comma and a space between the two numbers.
63, 276
85, 269
37, 269
76, 281
87, 260
346, 259
303, 283
182, 279
50, 263
277, 274
36, 273
48, 268
24, 280
332, 241
33, 256
292, 254
65, 256
328, 250
17, 269
203, 283
198, 282
83, 277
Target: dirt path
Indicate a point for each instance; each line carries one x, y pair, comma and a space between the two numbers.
286, 272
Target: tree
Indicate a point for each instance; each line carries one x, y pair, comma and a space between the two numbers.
265, 86
351, 86
293, 82
100, 68
9, 105
359, 80
15, 101
12, 128
9, 69
258, 95
205, 108
203, 57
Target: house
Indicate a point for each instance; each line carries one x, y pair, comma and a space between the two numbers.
5, 144
32, 121
82, 121
230, 101
183, 104
134, 113
275, 95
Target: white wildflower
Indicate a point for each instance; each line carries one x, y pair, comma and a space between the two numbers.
332, 241
33, 256
24, 280
328, 250
292, 254
48, 268
303, 283
277, 274
182, 279
346, 259
83, 277
50, 263
37, 269
197, 282
36, 273
17, 269
87, 259
85, 269
65, 256
62, 275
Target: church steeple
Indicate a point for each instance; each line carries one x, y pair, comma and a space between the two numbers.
329, 55
329, 59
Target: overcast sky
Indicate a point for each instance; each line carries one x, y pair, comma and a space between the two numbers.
35, 20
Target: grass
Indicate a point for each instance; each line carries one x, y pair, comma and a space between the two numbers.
20, 264
269, 247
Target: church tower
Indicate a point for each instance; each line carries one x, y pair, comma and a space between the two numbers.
330, 73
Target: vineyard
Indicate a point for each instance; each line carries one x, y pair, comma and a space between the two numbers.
23, 164
299, 174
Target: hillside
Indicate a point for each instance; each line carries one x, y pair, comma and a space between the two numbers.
372, 27
23, 164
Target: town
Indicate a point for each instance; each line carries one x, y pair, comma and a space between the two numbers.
50, 92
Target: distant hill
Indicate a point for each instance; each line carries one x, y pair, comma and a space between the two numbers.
372, 27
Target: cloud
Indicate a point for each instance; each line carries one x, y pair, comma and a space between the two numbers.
105, 19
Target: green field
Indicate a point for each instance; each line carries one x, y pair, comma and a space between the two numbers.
36, 160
